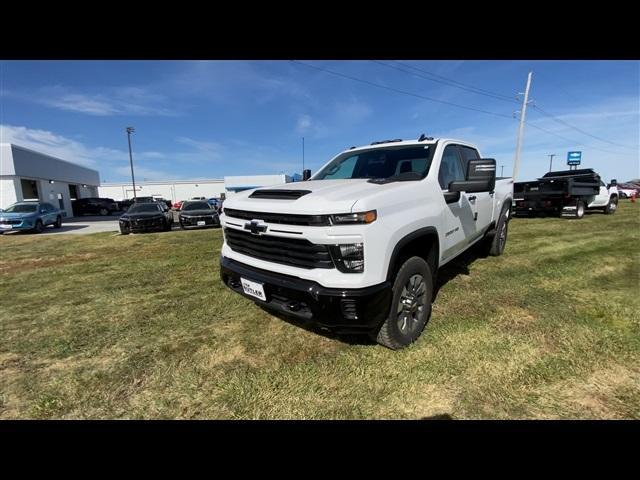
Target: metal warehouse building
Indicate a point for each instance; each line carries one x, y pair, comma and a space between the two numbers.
176, 190
29, 175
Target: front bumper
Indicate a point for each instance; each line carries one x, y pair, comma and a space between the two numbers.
12, 227
133, 228
357, 310
187, 222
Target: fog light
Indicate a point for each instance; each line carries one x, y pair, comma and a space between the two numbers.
348, 257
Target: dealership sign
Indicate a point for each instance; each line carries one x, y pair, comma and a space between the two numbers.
574, 158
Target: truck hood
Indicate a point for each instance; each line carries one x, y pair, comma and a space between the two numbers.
324, 197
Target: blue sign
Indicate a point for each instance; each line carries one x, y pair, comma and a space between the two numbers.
574, 158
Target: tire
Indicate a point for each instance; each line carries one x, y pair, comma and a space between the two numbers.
409, 312
167, 227
39, 227
612, 206
103, 211
124, 231
580, 208
497, 242
58, 223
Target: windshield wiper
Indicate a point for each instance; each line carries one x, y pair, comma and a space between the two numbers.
401, 177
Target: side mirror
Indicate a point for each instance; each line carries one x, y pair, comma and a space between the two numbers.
481, 177
306, 174
614, 182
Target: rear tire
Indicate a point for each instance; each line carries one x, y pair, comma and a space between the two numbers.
612, 206
410, 306
58, 223
103, 212
494, 244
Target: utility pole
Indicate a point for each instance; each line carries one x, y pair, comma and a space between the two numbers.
303, 154
502, 170
130, 130
523, 113
551, 160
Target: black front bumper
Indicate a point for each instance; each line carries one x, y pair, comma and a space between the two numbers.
357, 310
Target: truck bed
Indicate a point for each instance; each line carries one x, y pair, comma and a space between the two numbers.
555, 190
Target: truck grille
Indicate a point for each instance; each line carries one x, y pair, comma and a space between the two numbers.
207, 219
280, 218
10, 222
288, 251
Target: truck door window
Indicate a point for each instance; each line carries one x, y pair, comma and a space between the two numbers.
467, 153
450, 167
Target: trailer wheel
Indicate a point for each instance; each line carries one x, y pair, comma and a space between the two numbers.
612, 206
579, 213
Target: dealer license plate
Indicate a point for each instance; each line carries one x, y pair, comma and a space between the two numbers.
253, 289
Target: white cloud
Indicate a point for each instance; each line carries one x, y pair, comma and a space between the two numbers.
110, 101
303, 124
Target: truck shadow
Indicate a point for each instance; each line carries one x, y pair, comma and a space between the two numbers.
458, 266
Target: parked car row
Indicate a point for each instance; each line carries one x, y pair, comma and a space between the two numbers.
156, 215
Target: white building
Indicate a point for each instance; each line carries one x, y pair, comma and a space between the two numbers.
173, 190
29, 175
176, 190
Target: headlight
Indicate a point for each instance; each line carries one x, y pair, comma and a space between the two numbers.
348, 257
354, 218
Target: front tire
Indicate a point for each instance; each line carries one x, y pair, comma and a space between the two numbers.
410, 307
39, 227
612, 206
580, 208
58, 223
103, 212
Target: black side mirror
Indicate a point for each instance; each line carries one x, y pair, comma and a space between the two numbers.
614, 182
306, 174
481, 177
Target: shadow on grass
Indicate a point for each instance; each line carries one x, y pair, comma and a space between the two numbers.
458, 266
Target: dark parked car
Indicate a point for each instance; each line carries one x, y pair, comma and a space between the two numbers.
94, 206
198, 214
146, 217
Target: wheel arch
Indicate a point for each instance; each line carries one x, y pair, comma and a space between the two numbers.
424, 243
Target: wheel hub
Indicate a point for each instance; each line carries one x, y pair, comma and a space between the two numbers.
412, 303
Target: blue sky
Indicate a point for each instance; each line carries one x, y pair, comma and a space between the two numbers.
208, 119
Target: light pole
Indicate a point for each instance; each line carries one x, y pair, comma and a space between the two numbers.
551, 160
130, 130
502, 170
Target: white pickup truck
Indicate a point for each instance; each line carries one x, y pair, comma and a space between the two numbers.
356, 247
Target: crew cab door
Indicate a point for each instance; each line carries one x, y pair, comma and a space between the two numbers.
481, 202
602, 198
457, 216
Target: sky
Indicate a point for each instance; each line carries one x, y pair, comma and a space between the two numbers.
208, 119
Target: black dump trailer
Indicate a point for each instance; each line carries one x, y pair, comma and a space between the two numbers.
565, 192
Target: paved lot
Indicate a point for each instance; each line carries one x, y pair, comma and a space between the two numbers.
81, 225
88, 224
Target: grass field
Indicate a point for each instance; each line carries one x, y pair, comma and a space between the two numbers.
140, 326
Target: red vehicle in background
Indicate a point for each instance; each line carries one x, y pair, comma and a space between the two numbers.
178, 205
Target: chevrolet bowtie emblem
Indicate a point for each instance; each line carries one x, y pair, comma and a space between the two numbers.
256, 227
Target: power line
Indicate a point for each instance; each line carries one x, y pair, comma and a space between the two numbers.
448, 81
566, 139
404, 92
567, 124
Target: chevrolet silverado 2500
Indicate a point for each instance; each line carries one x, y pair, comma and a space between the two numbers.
356, 247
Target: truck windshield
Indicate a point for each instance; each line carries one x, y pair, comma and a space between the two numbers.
381, 163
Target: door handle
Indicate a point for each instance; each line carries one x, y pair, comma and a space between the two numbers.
472, 198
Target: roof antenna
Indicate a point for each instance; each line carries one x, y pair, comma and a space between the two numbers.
422, 138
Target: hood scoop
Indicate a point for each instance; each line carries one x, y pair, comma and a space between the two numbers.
279, 194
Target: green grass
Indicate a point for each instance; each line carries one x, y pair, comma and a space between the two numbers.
140, 326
